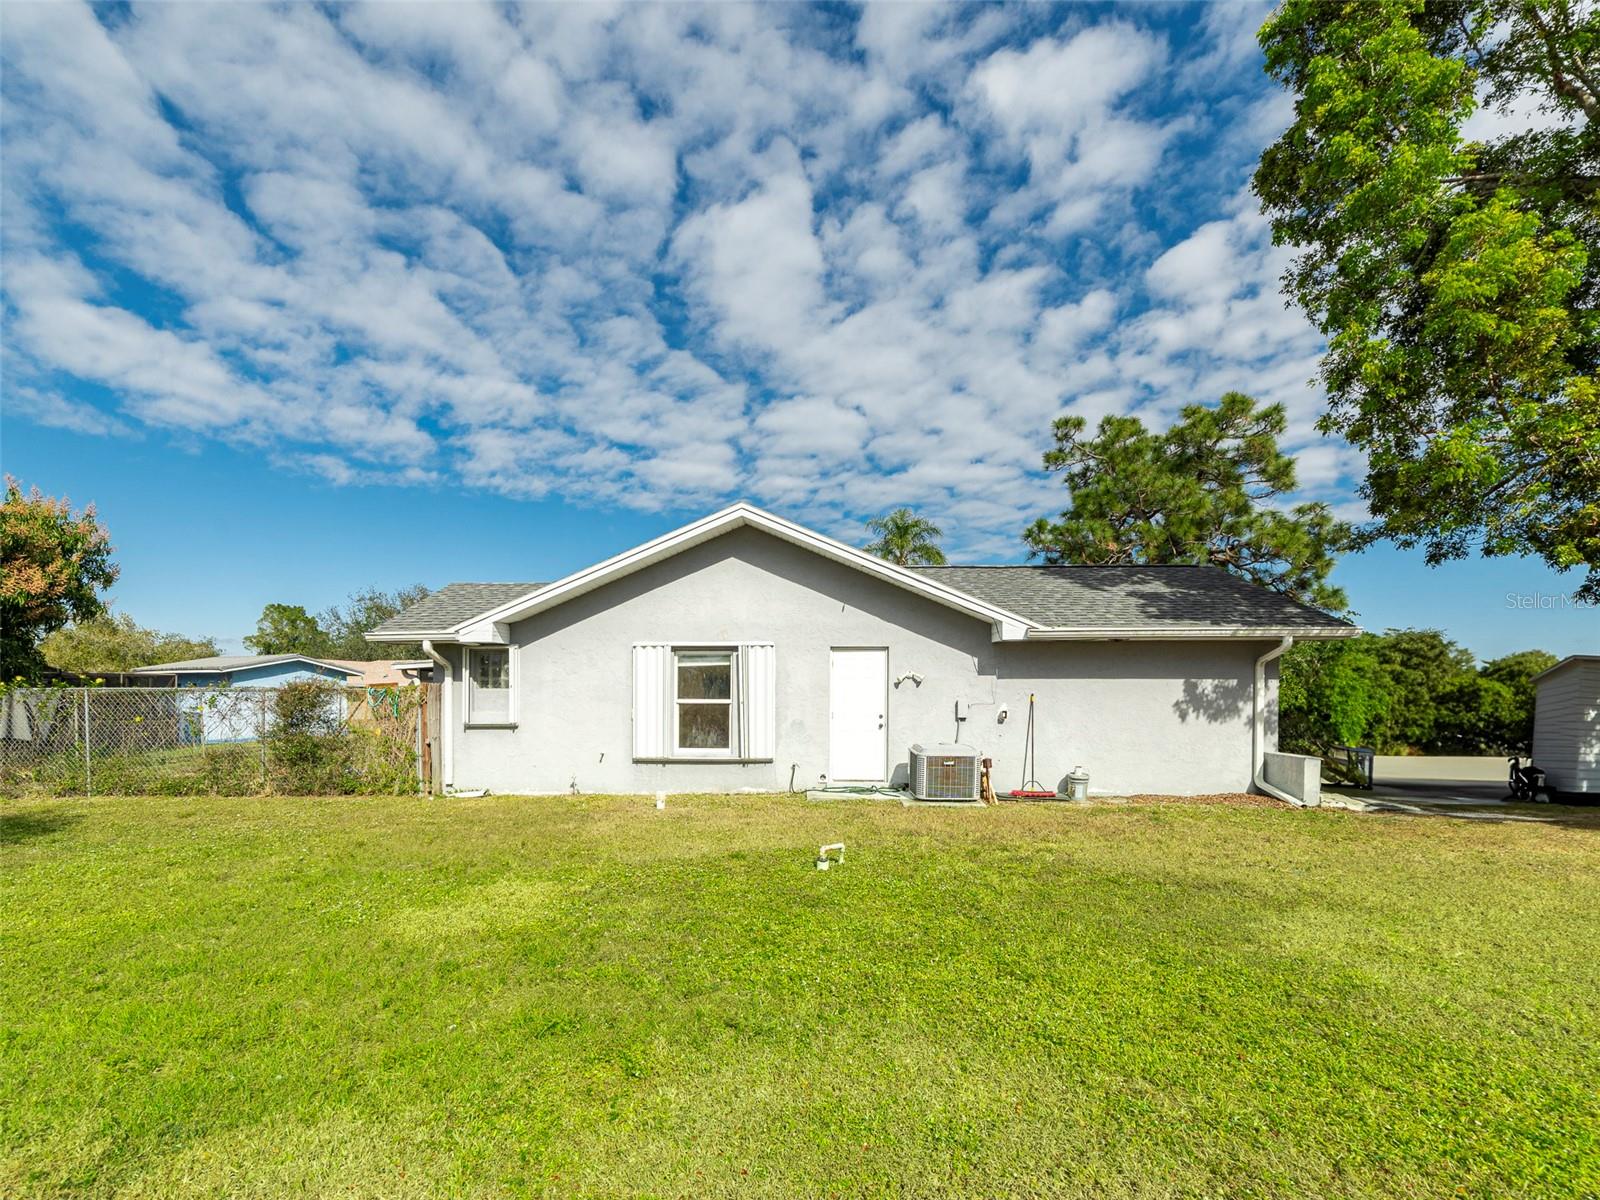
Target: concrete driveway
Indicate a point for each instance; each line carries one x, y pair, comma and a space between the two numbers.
1450, 786
1438, 779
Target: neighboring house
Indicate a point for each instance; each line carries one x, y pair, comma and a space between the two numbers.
256, 670
744, 651
233, 721
1566, 725
383, 673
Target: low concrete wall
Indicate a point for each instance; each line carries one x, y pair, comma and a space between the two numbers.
1297, 775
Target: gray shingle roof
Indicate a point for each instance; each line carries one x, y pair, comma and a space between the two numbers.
1149, 598
1153, 598
452, 604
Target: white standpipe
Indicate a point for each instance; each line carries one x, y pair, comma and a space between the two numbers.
1258, 728
447, 764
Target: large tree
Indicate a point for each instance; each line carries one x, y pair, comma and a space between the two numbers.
1332, 693
1422, 666
289, 629
1207, 490
1457, 281
339, 631
1517, 672
906, 539
347, 625
1490, 711
1474, 715
115, 642
1406, 691
54, 564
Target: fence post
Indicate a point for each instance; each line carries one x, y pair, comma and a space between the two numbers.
88, 778
261, 736
421, 718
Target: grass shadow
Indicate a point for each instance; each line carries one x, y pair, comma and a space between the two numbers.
40, 822
1565, 816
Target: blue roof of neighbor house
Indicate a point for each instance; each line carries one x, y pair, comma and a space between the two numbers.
224, 663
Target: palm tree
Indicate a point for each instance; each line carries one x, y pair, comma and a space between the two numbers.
906, 539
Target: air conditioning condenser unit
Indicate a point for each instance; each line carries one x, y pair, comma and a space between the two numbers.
944, 771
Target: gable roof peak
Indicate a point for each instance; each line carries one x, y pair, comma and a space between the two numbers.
488, 625
1018, 601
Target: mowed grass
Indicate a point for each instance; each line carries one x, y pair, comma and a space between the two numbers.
585, 996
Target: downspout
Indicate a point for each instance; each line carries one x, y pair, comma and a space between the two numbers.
1258, 728
447, 744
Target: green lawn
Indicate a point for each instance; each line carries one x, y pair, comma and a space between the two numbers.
585, 996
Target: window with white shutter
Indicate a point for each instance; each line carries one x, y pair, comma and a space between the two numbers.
694, 701
652, 713
758, 685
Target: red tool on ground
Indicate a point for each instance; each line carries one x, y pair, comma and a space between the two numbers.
1031, 788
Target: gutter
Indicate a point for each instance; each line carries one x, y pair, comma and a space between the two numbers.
447, 744
1258, 726
1199, 633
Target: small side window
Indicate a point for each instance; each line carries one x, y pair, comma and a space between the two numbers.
489, 686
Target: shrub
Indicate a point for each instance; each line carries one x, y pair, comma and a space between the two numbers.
305, 739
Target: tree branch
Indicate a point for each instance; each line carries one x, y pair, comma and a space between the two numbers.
1580, 90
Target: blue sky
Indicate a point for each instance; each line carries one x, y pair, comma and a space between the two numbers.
308, 298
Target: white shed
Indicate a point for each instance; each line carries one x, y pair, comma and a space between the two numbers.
1566, 725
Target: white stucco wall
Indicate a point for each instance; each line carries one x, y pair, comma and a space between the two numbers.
1168, 717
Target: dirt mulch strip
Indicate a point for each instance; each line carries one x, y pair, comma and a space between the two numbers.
1229, 799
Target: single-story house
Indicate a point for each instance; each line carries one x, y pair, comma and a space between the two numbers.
1566, 725
257, 670
747, 652
235, 722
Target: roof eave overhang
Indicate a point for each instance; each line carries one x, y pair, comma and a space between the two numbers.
1209, 633
492, 627
1572, 660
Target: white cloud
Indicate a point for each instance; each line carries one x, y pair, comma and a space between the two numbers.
1066, 326
757, 263
63, 412
1054, 90
653, 256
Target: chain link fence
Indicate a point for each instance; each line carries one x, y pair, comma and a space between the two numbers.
301, 739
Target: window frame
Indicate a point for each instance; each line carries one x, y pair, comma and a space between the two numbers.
469, 720
733, 750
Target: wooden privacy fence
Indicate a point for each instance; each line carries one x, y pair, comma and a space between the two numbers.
221, 741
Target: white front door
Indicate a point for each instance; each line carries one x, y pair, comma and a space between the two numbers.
858, 716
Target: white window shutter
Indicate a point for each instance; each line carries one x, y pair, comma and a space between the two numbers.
652, 700
758, 687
